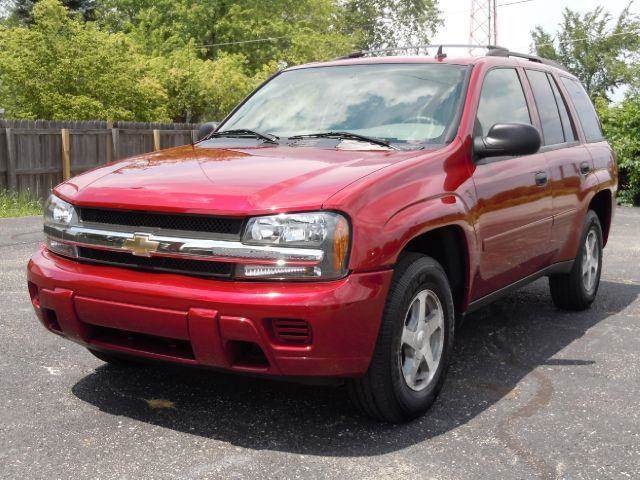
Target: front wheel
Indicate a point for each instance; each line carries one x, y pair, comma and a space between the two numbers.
414, 344
577, 289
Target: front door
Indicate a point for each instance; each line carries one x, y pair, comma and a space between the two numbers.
514, 211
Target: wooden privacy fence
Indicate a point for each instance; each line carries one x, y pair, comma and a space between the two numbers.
35, 155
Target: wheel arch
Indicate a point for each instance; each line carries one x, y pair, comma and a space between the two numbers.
602, 204
448, 245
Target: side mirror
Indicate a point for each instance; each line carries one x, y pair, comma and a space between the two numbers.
508, 139
206, 128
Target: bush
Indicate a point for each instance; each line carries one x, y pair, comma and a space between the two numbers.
204, 90
63, 68
622, 127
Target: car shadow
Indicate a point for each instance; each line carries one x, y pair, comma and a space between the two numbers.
495, 349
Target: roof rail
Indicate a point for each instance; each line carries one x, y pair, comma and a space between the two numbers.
504, 52
417, 48
492, 51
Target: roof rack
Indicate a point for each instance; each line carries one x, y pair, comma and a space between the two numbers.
492, 51
505, 52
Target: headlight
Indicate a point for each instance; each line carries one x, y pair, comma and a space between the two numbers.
59, 212
324, 231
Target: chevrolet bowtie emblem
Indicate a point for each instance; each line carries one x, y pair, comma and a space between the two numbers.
140, 245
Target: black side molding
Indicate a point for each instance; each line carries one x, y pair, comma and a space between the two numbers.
556, 268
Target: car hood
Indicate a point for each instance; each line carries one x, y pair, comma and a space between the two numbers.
228, 181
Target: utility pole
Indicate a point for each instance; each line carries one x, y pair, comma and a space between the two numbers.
483, 23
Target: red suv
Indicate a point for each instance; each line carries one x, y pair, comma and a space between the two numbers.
337, 223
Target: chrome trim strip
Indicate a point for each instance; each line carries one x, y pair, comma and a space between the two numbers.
193, 248
167, 232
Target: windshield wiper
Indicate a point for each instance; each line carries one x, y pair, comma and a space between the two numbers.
345, 135
244, 132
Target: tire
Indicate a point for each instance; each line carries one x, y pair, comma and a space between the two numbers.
115, 359
570, 291
386, 391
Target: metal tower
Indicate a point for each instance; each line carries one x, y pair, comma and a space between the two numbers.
484, 19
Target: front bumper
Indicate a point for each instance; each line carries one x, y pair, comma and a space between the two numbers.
221, 324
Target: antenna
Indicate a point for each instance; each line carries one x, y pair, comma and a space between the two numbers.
483, 23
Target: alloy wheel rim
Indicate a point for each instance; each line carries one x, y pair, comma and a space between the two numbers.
422, 340
590, 261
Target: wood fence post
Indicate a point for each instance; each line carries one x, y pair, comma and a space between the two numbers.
110, 144
12, 179
156, 139
66, 154
115, 139
194, 136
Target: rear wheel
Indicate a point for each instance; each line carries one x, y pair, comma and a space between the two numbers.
414, 344
577, 289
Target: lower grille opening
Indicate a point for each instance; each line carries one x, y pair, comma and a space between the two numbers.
186, 266
51, 320
247, 354
291, 331
142, 342
34, 294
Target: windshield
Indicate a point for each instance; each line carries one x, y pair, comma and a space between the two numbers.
400, 103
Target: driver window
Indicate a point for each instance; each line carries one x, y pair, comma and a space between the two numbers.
502, 101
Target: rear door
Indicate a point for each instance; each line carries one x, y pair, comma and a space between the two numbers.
514, 207
602, 155
567, 158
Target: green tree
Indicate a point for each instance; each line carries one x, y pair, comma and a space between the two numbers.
63, 68
594, 47
301, 30
391, 23
21, 11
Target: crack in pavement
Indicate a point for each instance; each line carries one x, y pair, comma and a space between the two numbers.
540, 399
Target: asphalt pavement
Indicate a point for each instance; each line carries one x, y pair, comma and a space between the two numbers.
533, 392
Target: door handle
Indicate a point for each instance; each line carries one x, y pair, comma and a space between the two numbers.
585, 168
541, 179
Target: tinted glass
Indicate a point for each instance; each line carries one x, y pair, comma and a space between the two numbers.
547, 107
403, 103
567, 127
584, 108
502, 100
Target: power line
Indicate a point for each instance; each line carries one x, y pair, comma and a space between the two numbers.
257, 40
586, 38
270, 39
514, 3
466, 12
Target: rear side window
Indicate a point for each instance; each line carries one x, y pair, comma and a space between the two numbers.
502, 100
586, 112
547, 107
567, 127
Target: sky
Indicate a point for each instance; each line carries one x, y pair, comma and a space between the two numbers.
515, 22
